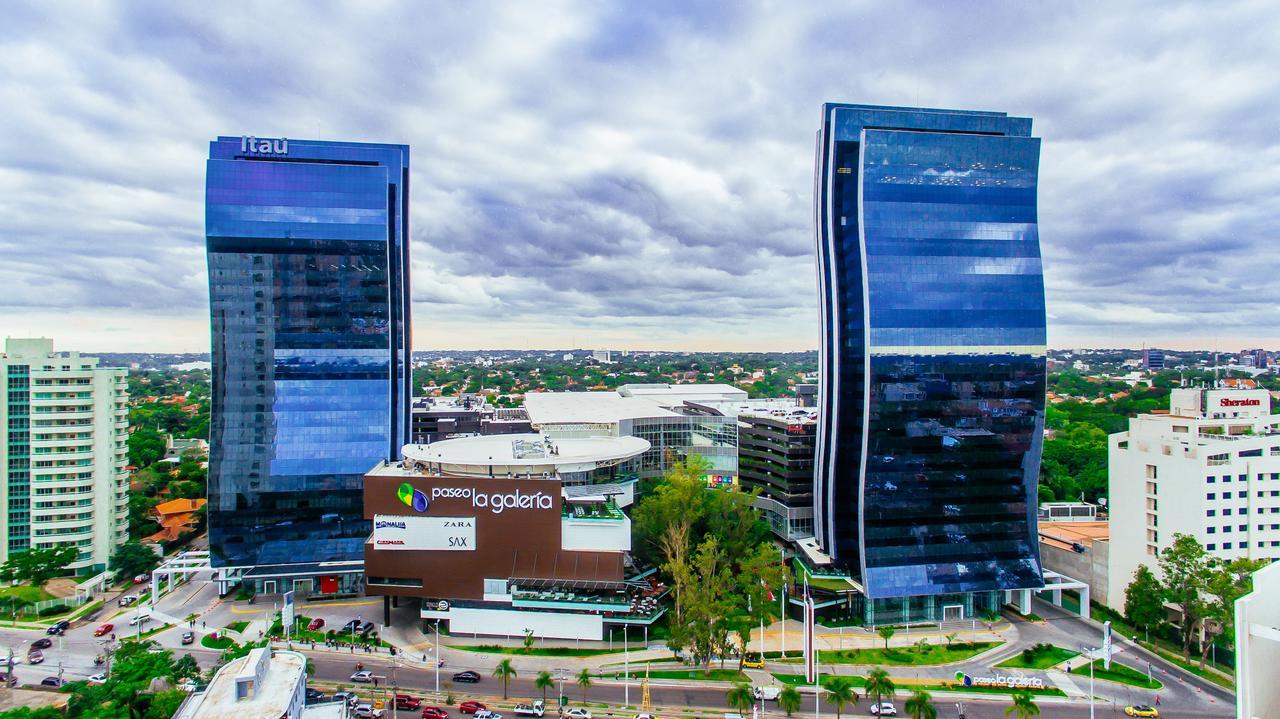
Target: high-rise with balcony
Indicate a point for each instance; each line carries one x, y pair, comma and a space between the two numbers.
309, 300
63, 454
932, 355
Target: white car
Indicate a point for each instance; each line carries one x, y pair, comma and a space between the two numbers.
365, 709
97, 679
139, 619
767, 693
884, 709
578, 713
364, 676
486, 714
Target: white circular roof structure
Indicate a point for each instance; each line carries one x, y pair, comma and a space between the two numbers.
523, 454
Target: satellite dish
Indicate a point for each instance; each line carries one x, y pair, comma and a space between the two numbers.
1102, 501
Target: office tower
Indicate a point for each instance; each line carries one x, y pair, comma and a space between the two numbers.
63, 454
775, 455
308, 255
933, 351
1152, 359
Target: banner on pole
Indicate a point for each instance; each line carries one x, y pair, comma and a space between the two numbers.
286, 612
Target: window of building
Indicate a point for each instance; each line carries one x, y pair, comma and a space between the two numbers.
1210, 480
1226, 478
1211, 547
1243, 478
1244, 527
1226, 545
1226, 511
1211, 495
1242, 493
1210, 512
1226, 529
1151, 471
1212, 530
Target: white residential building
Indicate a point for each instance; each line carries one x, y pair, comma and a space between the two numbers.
265, 684
1208, 467
1258, 647
63, 453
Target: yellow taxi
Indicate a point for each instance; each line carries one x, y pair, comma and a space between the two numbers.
753, 661
1141, 710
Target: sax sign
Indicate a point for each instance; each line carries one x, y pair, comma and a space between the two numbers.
449, 534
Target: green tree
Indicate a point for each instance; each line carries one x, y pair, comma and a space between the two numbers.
37, 566
920, 705
146, 447
1023, 706
131, 559
879, 685
664, 522
33, 713
886, 633
789, 699
710, 603
1228, 581
741, 697
1185, 569
1144, 599
187, 668
165, 704
584, 681
839, 691
528, 639
506, 673
543, 682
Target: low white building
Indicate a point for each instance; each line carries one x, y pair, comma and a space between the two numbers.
265, 684
1208, 467
1258, 647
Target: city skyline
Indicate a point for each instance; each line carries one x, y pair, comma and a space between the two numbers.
635, 177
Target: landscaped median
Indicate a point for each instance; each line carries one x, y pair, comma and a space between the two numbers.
715, 675
1118, 673
1041, 656
534, 651
916, 655
907, 685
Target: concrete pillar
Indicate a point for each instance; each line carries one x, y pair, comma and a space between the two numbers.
1084, 601
1056, 597
386, 611
1024, 601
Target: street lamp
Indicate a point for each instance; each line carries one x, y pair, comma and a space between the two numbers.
1089, 652
437, 656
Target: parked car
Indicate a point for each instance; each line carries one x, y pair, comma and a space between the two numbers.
434, 713
732, 715
313, 695
1141, 710
139, 618
58, 627
467, 677
188, 638
42, 643
486, 714
578, 713
349, 697
364, 676
471, 706
35, 656
104, 629
366, 628
767, 693
189, 686
7, 679
127, 600
140, 578
753, 661
97, 679
365, 709
316, 624
351, 626
527, 709
404, 701
884, 709
51, 682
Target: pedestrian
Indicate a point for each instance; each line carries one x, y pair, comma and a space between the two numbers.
1157, 700
203, 625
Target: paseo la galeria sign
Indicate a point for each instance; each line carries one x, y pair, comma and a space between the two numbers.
1001, 680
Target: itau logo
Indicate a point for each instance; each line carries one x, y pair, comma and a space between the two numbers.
412, 497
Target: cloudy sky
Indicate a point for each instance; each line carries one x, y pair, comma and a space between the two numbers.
635, 175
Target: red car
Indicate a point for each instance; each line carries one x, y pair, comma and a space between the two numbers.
471, 707
404, 701
315, 624
104, 629
434, 713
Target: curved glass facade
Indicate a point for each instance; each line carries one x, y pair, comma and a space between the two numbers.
309, 309
933, 349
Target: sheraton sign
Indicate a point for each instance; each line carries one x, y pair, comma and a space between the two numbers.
1229, 402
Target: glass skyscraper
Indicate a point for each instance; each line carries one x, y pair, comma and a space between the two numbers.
933, 349
308, 257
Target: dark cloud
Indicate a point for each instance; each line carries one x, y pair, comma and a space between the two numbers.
636, 174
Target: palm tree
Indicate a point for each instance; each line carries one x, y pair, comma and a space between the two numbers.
506, 673
789, 699
544, 683
879, 685
886, 633
920, 705
741, 697
840, 692
584, 681
1024, 706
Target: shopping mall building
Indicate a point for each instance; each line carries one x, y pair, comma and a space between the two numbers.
505, 534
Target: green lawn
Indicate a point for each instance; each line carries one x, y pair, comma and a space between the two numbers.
903, 690
1041, 660
1164, 648
1118, 673
535, 651
222, 642
145, 635
237, 626
908, 656
716, 675
26, 593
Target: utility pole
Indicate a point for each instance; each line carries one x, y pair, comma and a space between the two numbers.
437, 656
626, 669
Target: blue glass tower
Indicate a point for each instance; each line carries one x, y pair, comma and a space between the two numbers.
308, 254
933, 349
